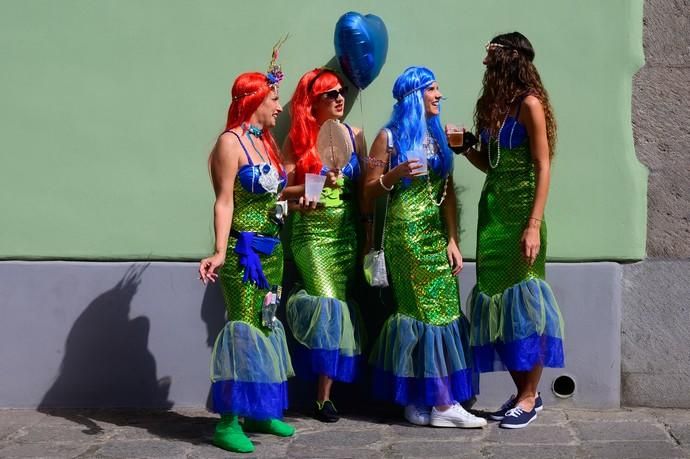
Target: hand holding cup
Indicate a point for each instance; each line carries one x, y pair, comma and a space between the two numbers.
455, 135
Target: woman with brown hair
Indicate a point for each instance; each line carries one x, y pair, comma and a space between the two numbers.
515, 321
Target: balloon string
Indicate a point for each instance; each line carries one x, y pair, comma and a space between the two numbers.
361, 114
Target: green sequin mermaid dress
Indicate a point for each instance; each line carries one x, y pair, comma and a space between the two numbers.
321, 316
516, 323
422, 355
250, 363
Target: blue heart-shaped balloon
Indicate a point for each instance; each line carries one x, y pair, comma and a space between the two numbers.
361, 46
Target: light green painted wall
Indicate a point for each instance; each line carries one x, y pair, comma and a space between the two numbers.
108, 110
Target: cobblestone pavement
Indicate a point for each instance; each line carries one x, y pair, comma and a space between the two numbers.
186, 433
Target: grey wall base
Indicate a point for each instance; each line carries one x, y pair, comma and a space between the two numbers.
122, 334
589, 295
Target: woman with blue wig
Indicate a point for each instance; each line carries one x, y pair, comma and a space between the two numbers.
421, 358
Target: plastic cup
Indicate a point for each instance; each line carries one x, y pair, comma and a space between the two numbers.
313, 186
420, 156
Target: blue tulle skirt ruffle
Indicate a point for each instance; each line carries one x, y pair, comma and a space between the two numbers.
422, 364
310, 363
328, 333
517, 329
259, 401
249, 371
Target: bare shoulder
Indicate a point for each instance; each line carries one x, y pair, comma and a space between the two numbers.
533, 104
227, 147
379, 148
380, 142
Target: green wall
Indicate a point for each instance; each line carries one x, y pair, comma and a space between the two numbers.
108, 110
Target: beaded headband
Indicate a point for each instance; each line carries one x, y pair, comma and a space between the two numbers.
493, 45
274, 74
413, 90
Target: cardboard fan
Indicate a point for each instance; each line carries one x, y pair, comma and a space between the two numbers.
334, 144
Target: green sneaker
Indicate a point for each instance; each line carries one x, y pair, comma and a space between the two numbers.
229, 436
271, 426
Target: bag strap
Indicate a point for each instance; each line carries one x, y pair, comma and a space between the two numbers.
389, 149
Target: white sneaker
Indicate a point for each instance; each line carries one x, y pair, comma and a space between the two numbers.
418, 415
455, 416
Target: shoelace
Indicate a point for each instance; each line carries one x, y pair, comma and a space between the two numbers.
514, 412
462, 411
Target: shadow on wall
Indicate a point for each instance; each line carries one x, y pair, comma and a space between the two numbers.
107, 362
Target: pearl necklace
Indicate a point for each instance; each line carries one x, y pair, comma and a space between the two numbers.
431, 191
498, 145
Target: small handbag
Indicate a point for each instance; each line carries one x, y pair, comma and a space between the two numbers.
375, 261
375, 268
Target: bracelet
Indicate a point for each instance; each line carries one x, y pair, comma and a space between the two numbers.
366, 218
376, 162
384, 186
534, 218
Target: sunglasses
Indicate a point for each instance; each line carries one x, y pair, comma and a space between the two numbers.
334, 93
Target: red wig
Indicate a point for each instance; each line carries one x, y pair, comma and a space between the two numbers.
248, 92
304, 129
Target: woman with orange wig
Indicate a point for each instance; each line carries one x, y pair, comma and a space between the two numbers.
250, 363
324, 242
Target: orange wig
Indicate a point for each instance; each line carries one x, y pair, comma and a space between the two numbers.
304, 128
248, 92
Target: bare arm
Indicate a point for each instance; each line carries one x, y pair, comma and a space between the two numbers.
479, 158
378, 180
224, 163
291, 191
534, 120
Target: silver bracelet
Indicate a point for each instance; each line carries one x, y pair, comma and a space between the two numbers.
384, 186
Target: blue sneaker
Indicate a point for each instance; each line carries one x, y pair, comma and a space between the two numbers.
510, 403
538, 403
517, 418
501, 413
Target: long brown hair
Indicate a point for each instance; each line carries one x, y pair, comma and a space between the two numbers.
510, 74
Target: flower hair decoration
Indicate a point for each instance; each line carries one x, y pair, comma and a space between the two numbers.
275, 75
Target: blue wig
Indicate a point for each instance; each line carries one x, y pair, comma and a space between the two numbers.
409, 121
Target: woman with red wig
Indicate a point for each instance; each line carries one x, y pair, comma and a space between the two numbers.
250, 363
324, 242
